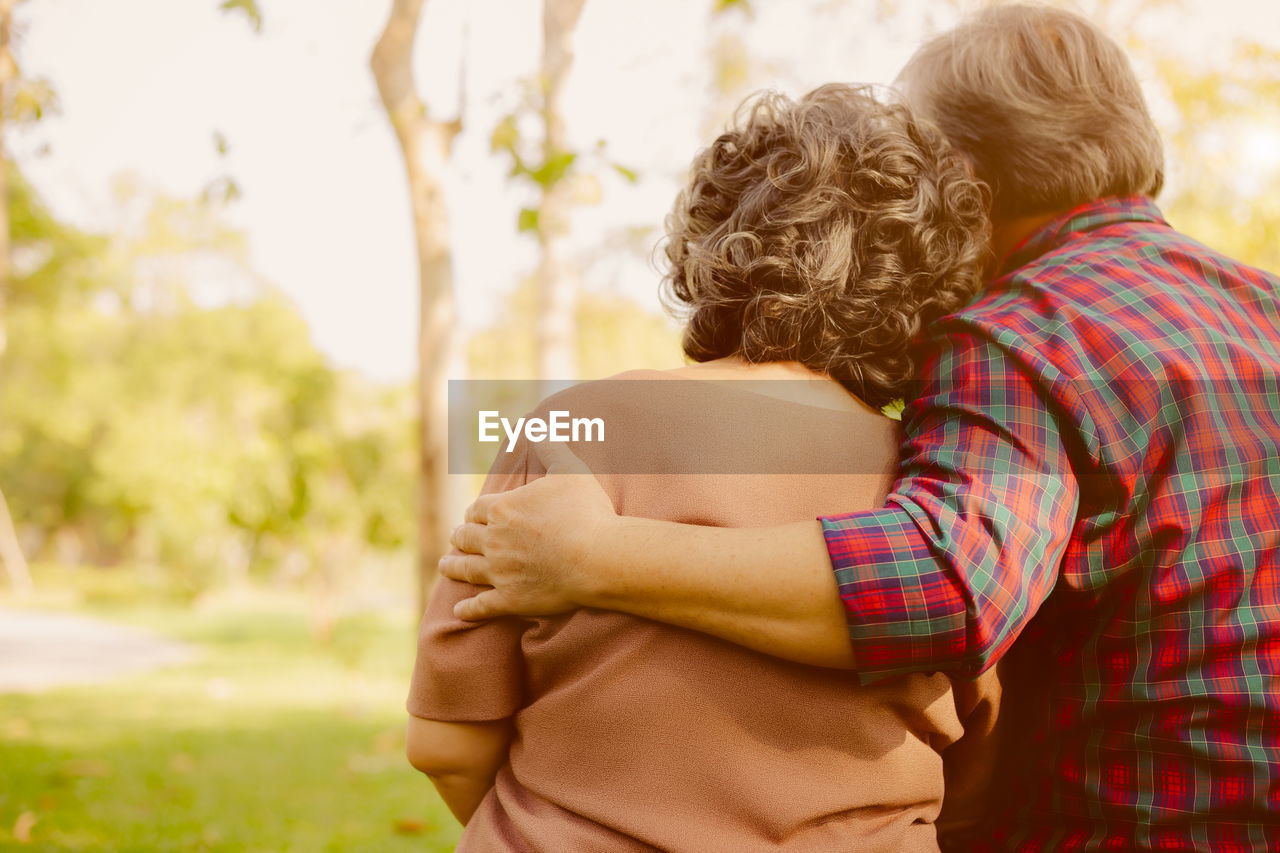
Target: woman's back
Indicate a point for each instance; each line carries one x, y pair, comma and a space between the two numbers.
634, 735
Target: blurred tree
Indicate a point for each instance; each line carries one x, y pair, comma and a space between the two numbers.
616, 334
560, 177
8, 74
425, 143
166, 410
1224, 152
556, 356
18, 101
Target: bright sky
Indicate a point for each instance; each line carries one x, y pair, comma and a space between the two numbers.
144, 85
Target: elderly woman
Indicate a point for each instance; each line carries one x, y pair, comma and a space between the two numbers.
813, 242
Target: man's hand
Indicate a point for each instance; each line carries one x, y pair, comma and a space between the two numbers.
532, 544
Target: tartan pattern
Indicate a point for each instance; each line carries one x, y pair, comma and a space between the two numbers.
1092, 463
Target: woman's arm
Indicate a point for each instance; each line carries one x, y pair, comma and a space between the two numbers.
461, 759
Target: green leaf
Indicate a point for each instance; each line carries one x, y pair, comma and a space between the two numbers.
725, 5
31, 100
248, 8
630, 174
554, 169
527, 221
506, 136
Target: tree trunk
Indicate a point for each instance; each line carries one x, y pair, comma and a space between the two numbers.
425, 144
8, 73
557, 296
15, 563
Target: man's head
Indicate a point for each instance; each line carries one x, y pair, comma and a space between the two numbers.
1044, 104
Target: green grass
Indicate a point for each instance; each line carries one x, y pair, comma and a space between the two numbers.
266, 741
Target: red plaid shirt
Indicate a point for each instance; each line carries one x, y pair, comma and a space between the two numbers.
1093, 464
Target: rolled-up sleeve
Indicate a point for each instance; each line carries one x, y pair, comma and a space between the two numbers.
968, 545
472, 671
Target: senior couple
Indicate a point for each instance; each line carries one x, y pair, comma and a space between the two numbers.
1083, 496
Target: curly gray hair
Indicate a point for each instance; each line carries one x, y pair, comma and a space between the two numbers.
828, 231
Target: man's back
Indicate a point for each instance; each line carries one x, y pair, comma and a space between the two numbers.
1150, 672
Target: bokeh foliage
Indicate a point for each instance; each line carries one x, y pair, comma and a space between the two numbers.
154, 418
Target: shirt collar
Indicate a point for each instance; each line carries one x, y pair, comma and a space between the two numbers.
1079, 220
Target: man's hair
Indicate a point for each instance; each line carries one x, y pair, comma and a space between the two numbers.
1044, 104
827, 231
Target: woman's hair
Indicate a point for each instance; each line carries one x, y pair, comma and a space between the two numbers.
827, 231
1044, 104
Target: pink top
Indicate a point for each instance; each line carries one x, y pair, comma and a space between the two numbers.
633, 735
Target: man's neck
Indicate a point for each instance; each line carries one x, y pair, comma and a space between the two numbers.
1007, 234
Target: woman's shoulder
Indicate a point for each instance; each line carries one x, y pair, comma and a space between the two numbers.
617, 391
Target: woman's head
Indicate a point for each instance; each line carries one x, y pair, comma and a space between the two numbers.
827, 231
1047, 108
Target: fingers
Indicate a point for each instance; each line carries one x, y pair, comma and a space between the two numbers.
478, 512
559, 459
466, 568
484, 605
469, 538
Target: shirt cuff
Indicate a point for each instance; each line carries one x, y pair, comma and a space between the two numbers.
905, 612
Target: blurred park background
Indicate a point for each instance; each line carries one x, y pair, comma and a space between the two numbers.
244, 243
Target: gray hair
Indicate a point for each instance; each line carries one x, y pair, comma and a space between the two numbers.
829, 231
1046, 107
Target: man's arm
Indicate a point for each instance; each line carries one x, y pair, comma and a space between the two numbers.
556, 544
716, 580
944, 577
461, 759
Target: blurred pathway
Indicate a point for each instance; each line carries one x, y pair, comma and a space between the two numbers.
39, 650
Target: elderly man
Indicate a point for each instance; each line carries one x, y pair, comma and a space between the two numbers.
1091, 467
